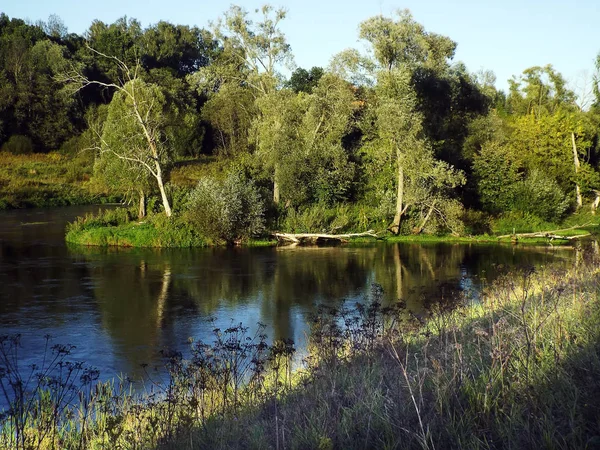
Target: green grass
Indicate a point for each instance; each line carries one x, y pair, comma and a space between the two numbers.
46, 180
155, 231
517, 367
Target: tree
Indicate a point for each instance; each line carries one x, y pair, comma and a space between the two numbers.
32, 103
303, 80
539, 90
230, 112
497, 171
135, 128
556, 144
279, 148
400, 47
260, 47
230, 210
252, 54
179, 48
328, 118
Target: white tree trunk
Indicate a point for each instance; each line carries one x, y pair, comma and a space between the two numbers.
395, 228
426, 219
142, 206
596, 202
577, 165
276, 187
161, 188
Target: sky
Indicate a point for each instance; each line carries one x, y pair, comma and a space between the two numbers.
505, 36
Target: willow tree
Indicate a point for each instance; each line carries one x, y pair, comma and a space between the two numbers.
134, 133
399, 47
253, 53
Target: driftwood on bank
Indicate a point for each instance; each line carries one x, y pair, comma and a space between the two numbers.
548, 234
314, 238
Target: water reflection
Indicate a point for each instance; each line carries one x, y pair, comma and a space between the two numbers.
121, 306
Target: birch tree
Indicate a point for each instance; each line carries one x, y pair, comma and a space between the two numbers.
135, 128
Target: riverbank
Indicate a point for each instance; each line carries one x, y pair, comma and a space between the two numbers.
518, 366
43, 180
159, 232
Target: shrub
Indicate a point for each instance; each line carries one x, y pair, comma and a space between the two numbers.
541, 196
497, 174
320, 218
229, 210
476, 222
519, 222
18, 145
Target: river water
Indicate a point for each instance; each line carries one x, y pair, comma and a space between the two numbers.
120, 307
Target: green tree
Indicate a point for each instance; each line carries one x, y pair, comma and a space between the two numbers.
328, 118
260, 47
136, 127
497, 173
230, 112
539, 90
32, 102
400, 47
134, 132
303, 80
279, 148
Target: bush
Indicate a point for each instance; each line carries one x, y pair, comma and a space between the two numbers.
18, 145
229, 210
104, 218
519, 222
541, 196
476, 222
320, 218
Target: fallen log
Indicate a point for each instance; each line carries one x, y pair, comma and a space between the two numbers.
550, 234
313, 238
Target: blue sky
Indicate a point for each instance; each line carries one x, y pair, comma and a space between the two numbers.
504, 36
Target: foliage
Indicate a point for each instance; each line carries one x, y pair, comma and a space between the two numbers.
541, 196
303, 80
399, 129
117, 228
229, 210
341, 218
230, 112
497, 175
519, 222
52, 179
18, 145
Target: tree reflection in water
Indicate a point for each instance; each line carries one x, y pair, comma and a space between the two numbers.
150, 299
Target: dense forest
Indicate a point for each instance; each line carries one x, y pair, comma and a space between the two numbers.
203, 124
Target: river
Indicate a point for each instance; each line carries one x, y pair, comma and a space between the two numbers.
120, 307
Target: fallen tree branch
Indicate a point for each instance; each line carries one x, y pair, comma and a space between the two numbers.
549, 234
300, 238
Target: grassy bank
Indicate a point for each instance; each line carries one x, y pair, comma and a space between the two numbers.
52, 179
158, 231
118, 228
518, 367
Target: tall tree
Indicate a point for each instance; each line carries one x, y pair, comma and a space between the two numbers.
136, 126
400, 47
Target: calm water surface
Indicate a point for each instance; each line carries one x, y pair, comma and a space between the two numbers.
120, 307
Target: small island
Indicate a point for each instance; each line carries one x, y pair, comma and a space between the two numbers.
208, 144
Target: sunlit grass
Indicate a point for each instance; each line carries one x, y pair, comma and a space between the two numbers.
45, 180
516, 366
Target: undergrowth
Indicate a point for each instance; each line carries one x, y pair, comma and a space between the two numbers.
117, 227
516, 366
46, 180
